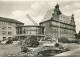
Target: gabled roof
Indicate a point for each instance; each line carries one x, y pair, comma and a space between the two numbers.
10, 20
62, 18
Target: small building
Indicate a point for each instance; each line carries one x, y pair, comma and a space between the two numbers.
58, 24
30, 30
8, 27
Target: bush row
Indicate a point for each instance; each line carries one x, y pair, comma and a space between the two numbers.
65, 40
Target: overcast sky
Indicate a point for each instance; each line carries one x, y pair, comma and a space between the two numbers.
18, 9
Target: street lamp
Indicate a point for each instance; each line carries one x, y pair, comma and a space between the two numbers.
58, 31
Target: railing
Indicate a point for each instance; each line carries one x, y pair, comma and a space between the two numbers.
30, 35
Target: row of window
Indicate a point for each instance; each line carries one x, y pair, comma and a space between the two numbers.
6, 33
21, 30
65, 19
29, 32
31, 28
54, 29
64, 35
62, 25
5, 23
4, 28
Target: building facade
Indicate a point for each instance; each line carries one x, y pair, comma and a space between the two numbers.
8, 28
58, 24
30, 30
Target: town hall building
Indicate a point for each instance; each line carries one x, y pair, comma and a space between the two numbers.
58, 25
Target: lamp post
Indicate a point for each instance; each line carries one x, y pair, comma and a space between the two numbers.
58, 31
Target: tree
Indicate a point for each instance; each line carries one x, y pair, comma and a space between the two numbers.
78, 35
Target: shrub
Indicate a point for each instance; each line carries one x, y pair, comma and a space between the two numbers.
15, 39
63, 40
56, 44
24, 49
74, 41
66, 49
9, 42
31, 42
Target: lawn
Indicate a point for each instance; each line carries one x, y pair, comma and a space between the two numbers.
71, 46
14, 49
75, 50
9, 49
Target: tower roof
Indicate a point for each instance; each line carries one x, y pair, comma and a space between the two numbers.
57, 6
62, 18
72, 17
57, 10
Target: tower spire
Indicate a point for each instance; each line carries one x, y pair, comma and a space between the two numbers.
72, 20
72, 17
57, 10
57, 5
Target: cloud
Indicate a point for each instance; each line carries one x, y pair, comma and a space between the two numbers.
18, 13
78, 24
38, 9
40, 0
77, 19
20, 16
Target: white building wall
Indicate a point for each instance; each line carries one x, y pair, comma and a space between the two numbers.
6, 28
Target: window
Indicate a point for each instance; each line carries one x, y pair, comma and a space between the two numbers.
9, 33
9, 23
4, 32
9, 27
3, 28
9, 38
4, 38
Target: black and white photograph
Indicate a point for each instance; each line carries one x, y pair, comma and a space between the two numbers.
39, 28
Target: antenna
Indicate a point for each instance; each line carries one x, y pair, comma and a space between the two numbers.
29, 17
